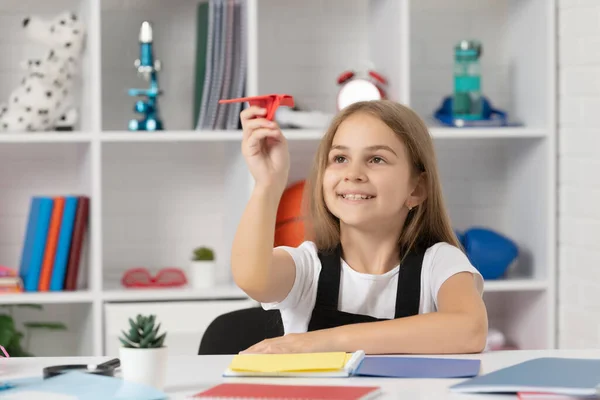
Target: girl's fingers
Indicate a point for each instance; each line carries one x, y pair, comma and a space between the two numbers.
255, 348
252, 112
257, 123
262, 133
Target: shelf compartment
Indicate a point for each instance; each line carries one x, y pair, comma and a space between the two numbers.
343, 35
39, 169
523, 317
502, 185
18, 47
174, 44
160, 200
76, 340
515, 77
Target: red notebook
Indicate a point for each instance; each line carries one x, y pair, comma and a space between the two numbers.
250, 391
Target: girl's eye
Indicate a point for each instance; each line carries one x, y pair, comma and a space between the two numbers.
378, 160
338, 159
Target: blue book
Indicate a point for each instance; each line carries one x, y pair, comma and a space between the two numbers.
418, 367
34, 206
80, 385
35, 242
63, 246
566, 376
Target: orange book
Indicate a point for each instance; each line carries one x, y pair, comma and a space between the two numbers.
51, 242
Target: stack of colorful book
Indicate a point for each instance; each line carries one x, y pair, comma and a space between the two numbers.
54, 238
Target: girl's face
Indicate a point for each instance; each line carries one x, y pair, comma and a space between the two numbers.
367, 182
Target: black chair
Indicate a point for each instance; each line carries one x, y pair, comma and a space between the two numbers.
237, 330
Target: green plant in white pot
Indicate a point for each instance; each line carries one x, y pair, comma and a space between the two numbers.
143, 354
203, 268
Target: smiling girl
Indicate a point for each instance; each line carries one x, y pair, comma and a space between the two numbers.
383, 271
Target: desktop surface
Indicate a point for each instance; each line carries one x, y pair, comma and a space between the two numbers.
187, 375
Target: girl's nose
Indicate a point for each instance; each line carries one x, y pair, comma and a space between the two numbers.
355, 172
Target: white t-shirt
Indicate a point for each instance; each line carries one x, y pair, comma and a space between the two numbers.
366, 294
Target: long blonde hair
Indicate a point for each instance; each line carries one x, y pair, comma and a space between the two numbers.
426, 224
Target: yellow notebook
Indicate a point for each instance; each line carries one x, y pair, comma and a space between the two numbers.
334, 364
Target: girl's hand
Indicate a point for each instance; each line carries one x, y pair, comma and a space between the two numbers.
310, 342
265, 149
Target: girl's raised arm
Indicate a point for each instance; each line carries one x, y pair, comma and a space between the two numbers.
265, 274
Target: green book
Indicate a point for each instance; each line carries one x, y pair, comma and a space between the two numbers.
201, 45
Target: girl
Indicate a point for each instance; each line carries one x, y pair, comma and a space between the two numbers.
383, 271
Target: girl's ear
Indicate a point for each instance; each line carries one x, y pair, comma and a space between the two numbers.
419, 193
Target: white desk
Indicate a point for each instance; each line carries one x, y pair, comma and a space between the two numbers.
190, 374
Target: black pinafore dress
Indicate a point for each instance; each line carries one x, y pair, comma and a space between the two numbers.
326, 313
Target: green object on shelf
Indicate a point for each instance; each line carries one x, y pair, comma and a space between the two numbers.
11, 337
200, 58
203, 254
467, 102
143, 334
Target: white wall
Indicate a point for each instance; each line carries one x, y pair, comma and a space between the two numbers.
579, 173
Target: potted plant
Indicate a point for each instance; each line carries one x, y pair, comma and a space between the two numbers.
143, 354
203, 268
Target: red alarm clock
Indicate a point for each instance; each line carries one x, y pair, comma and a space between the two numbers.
362, 86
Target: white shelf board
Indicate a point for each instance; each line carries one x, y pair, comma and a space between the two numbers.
515, 285
440, 132
47, 297
311, 134
171, 136
167, 294
303, 134
46, 137
200, 135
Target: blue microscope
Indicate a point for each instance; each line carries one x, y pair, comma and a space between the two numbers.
147, 66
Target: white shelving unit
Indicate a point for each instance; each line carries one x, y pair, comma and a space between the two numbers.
155, 196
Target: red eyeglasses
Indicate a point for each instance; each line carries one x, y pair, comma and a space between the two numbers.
166, 277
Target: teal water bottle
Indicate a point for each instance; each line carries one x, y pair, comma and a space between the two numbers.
467, 102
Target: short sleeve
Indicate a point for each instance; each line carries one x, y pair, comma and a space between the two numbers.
449, 260
308, 268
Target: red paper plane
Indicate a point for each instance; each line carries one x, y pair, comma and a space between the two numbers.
268, 101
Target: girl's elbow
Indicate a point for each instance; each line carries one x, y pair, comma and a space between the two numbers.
477, 335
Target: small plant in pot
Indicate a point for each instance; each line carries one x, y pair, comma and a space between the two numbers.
143, 354
202, 268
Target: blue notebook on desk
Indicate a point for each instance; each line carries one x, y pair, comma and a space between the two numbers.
79, 385
568, 376
418, 367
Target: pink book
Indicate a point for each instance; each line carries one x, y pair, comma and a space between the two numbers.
251, 391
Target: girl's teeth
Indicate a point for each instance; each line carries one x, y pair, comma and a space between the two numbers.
356, 196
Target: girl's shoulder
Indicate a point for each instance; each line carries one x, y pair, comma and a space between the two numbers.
305, 254
444, 249
305, 247
447, 254
442, 260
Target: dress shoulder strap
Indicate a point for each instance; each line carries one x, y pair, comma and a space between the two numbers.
328, 288
408, 294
